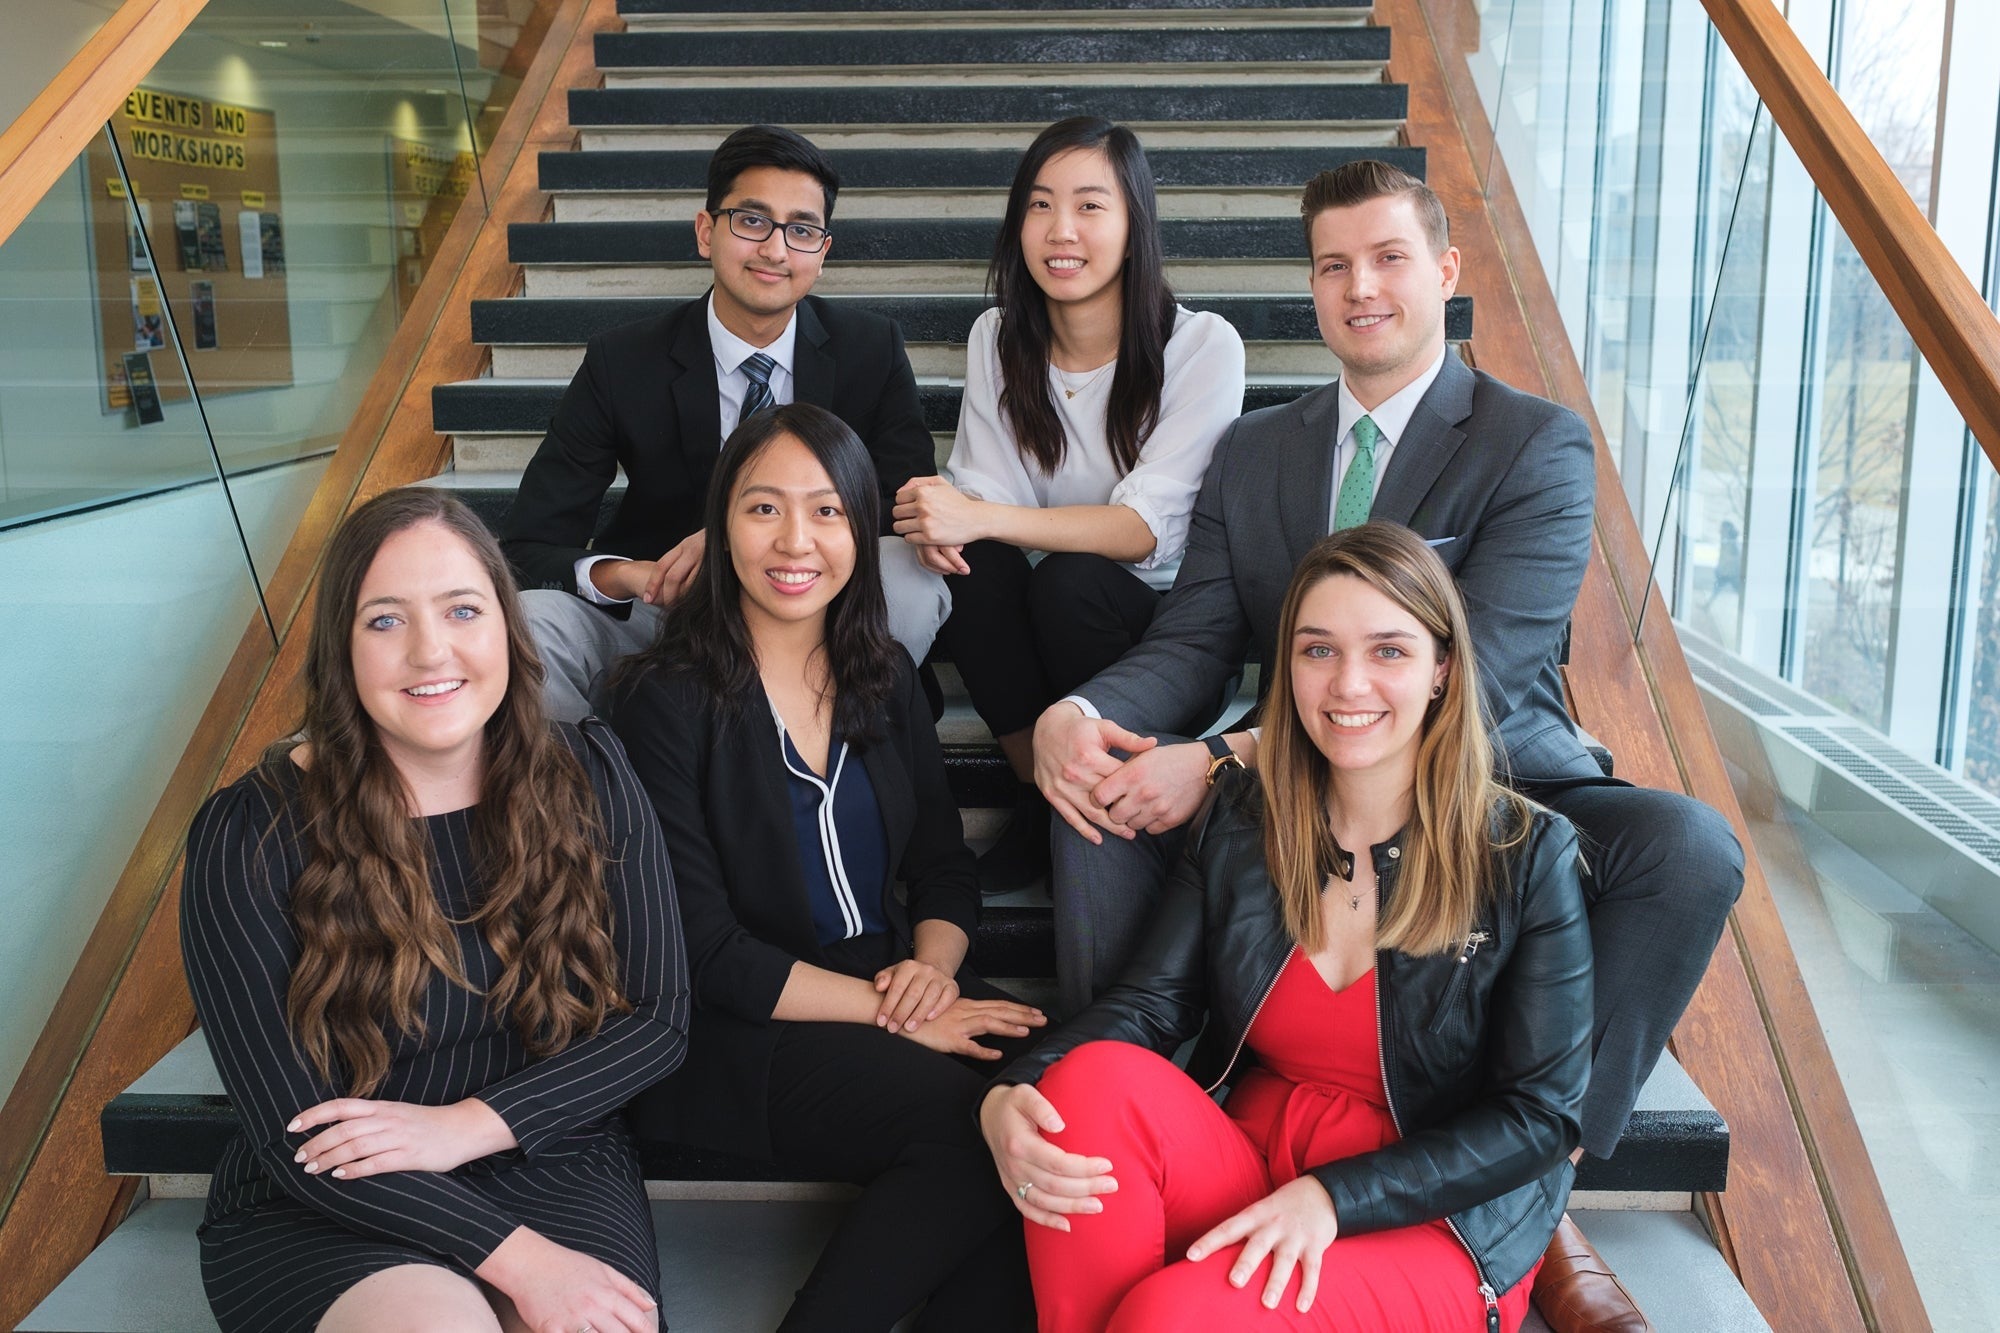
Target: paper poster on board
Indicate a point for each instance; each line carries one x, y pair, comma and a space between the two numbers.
250, 242
202, 295
272, 235
208, 236
149, 321
187, 236
143, 392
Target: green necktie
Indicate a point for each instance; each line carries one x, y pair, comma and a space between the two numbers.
1357, 489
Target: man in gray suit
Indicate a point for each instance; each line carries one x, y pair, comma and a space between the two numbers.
1501, 483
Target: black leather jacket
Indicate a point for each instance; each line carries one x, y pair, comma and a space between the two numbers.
1485, 1051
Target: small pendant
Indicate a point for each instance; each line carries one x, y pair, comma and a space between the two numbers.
1069, 393
1354, 903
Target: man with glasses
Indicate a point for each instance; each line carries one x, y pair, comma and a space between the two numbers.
658, 397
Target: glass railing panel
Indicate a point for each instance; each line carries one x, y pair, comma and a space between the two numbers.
127, 588
299, 163
1825, 534
188, 321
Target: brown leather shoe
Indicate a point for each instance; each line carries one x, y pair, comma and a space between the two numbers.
1577, 1292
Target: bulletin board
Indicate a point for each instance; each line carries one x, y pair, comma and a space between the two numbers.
426, 187
206, 177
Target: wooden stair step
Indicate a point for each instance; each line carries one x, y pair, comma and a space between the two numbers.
861, 169
1136, 104
871, 49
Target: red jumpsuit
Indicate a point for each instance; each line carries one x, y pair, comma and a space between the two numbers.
1183, 1164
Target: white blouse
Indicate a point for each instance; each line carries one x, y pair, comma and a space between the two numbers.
1202, 394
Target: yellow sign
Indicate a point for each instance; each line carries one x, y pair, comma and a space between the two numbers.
115, 188
230, 120
165, 108
253, 198
186, 149
193, 191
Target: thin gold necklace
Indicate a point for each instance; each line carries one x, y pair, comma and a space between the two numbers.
1063, 375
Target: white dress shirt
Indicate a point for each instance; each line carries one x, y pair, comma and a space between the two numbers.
731, 384
1200, 394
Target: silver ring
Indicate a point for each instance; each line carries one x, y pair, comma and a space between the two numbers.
1022, 1192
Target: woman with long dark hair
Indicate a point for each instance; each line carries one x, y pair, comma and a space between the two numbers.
434, 947
794, 766
1092, 404
1391, 952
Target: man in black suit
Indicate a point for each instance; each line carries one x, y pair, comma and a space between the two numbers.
1502, 485
658, 397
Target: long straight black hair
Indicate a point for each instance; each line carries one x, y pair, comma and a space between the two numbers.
1027, 400
705, 636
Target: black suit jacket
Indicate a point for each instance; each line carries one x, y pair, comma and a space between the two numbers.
718, 783
1500, 482
645, 400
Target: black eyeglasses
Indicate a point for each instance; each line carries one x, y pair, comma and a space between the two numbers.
800, 236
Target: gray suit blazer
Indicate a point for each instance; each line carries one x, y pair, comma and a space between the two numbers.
1500, 482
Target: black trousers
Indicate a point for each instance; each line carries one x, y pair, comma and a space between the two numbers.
856, 1103
1023, 636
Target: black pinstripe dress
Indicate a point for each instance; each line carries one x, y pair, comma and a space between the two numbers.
279, 1246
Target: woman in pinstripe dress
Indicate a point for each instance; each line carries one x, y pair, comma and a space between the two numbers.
434, 947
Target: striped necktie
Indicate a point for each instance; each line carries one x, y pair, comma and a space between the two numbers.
757, 369
1357, 489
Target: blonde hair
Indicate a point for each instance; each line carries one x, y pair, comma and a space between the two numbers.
1463, 820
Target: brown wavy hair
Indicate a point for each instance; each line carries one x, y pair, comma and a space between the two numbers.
370, 928
1464, 822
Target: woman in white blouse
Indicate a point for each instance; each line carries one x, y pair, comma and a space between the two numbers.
1092, 404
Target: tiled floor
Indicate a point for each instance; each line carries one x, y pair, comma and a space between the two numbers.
1910, 1005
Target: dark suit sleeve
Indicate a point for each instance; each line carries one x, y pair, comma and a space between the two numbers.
1539, 1062
589, 1080
937, 866
239, 948
1200, 634
1527, 558
896, 436
667, 731
555, 510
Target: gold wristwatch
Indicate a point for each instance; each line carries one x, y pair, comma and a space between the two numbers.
1221, 757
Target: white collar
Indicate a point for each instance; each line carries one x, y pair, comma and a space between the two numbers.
731, 351
1392, 415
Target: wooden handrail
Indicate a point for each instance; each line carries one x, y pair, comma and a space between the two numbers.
1925, 283
45, 139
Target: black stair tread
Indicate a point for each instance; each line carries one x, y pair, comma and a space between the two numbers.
888, 240
995, 105
524, 407
642, 7
869, 48
176, 1120
964, 168
561, 321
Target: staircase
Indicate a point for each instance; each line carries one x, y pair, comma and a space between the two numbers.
924, 106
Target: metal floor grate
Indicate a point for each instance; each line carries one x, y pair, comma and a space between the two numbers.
1946, 804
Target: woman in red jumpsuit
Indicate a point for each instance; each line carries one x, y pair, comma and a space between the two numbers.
1403, 1028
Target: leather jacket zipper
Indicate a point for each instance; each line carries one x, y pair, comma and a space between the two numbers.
1456, 986
1486, 1291
1270, 984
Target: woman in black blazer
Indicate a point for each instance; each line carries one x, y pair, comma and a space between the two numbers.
795, 769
